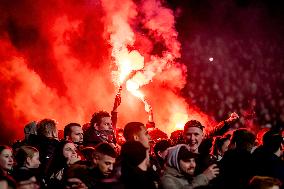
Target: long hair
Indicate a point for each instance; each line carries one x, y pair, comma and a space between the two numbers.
59, 161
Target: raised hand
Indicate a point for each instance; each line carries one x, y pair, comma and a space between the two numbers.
150, 114
117, 100
211, 172
233, 117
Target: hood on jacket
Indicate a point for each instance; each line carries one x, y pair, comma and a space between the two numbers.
172, 159
179, 152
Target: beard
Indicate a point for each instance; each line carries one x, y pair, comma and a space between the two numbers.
189, 173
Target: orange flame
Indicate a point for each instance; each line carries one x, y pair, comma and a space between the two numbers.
128, 62
179, 119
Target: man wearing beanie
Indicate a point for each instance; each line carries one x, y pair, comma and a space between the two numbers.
180, 168
134, 166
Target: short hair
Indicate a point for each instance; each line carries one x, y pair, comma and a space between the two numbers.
161, 146
243, 138
132, 153
105, 148
131, 129
272, 141
46, 126
30, 128
67, 128
97, 117
23, 153
263, 182
193, 123
88, 152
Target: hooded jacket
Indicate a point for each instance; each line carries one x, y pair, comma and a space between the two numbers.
173, 178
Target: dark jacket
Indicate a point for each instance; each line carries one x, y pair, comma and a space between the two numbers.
46, 147
134, 177
266, 163
172, 179
205, 159
236, 169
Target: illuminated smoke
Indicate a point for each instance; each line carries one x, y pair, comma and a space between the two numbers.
58, 60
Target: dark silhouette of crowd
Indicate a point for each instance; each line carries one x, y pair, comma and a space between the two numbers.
99, 155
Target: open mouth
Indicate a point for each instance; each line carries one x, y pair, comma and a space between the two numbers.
9, 165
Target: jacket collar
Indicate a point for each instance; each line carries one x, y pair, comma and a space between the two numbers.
174, 172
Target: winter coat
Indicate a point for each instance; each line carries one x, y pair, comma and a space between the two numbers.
173, 178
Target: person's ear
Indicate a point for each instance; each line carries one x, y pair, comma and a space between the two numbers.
96, 159
160, 154
136, 138
96, 126
28, 161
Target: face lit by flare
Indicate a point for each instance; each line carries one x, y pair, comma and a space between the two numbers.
193, 137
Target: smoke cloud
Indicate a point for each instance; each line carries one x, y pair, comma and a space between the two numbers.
58, 60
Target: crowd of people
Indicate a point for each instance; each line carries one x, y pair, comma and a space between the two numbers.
97, 155
240, 75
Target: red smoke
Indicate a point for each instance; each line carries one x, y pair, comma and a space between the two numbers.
57, 62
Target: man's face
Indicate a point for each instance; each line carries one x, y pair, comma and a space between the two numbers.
105, 164
193, 137
106, 124
144, 137
76, 135
187, 167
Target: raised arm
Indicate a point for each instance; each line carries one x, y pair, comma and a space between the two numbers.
116, 104
223, 126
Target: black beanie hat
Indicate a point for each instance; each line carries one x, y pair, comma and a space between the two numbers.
133, 153
185, 155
